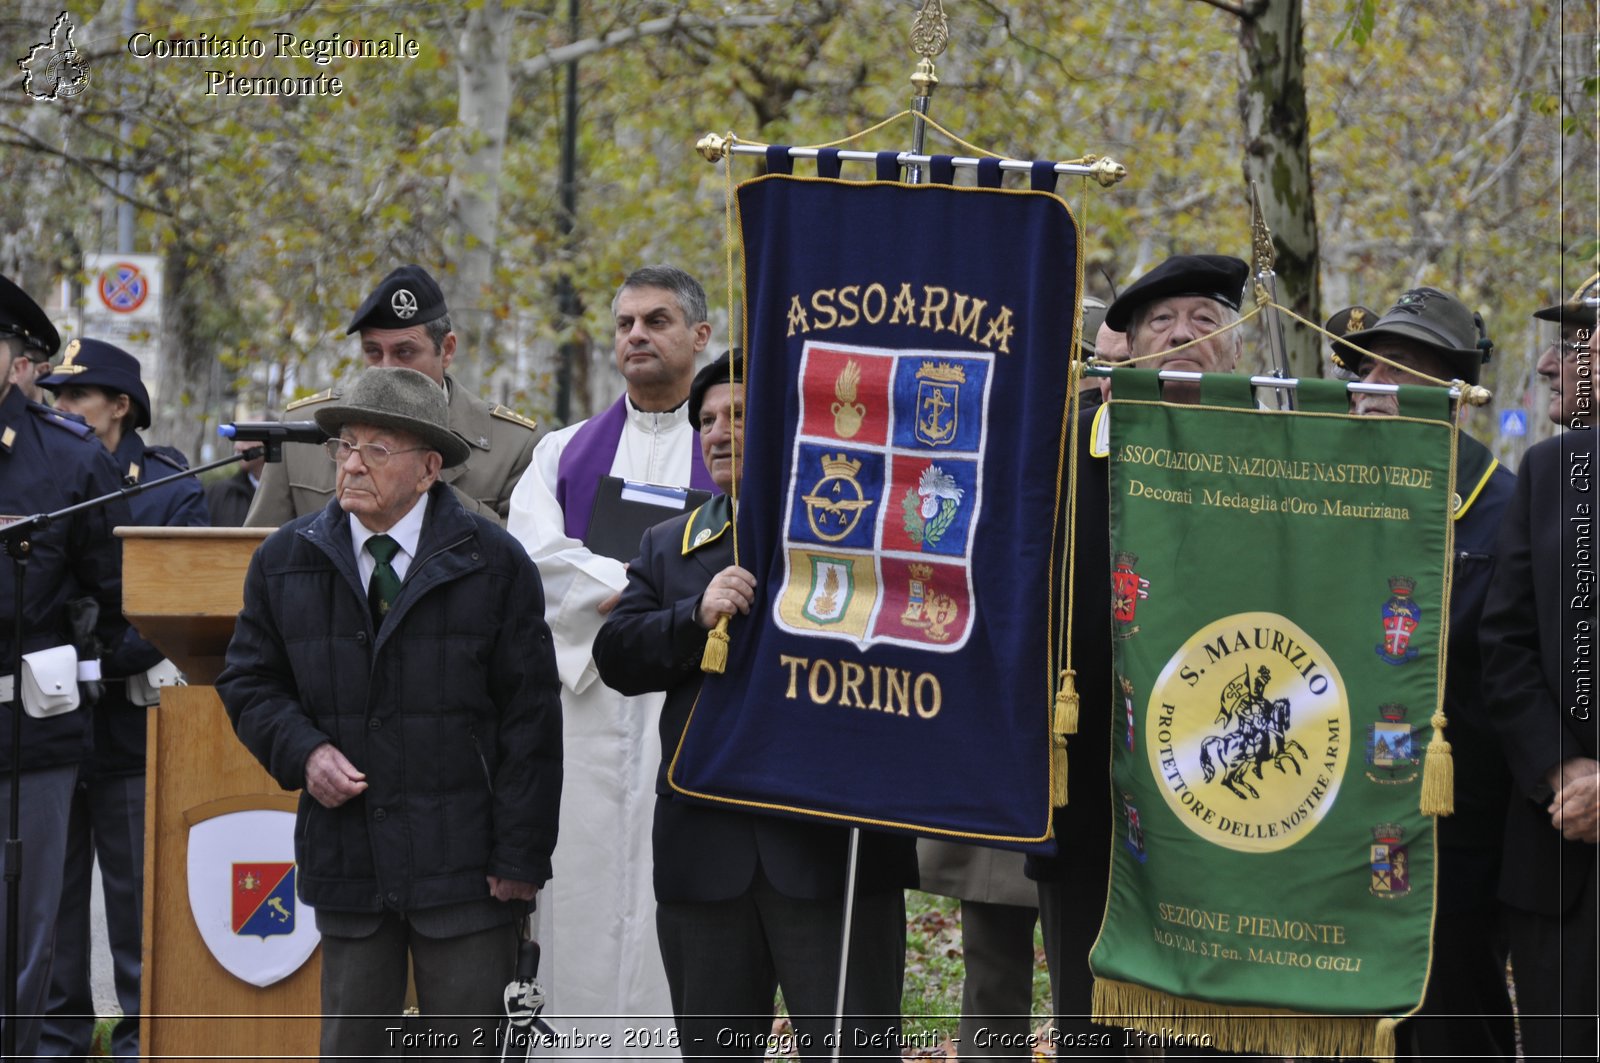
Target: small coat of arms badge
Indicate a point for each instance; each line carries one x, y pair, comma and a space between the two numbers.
1133, 840
1391, 864
1401, 615
1128, 588
1391, 746
263, 899
926, 608
938, 402
1127, 704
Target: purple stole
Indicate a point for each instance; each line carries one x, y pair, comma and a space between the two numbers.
588, 457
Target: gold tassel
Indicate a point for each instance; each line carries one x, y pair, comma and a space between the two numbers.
1438, 773
715, 659
1058, 770
1065, 723
1067, 704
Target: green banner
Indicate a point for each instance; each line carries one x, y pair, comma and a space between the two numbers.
1279, 591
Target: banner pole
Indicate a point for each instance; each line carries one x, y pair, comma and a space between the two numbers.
1471, 394
1264, 258
929, 35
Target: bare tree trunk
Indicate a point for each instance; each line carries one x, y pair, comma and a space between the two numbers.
188, 355
1277, 157
474, 189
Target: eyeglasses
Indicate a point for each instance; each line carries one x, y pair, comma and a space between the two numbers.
373, 455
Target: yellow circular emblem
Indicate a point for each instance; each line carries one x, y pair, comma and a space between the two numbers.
1248, 732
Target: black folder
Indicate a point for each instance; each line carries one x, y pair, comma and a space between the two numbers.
623, 509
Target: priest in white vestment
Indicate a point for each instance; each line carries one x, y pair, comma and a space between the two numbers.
600, 962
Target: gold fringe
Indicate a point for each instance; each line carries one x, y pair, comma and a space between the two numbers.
1067, 704
1438, 773
715, 659
1175, 1021
1058, 770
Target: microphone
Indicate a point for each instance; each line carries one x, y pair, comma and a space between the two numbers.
273, 432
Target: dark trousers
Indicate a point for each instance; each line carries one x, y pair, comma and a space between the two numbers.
1553, 967
106, 824
725, 961
460, 982
997, 996
46, 799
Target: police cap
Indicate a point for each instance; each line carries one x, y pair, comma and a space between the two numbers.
96, 363
20, 316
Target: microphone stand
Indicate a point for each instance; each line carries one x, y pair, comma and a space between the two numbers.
16, 539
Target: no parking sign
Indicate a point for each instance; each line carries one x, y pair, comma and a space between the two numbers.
122, 287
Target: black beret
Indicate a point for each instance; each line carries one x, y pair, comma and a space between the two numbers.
1580, 309
712, 375
20, 316
1219, 277
1425, 316
96, 363
406, 297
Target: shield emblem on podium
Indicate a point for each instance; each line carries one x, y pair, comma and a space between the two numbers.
241, 888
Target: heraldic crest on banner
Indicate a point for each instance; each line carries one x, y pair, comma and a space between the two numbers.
885, 493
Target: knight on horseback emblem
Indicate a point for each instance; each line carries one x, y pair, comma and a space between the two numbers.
1257, 735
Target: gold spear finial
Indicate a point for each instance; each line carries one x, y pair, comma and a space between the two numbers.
929, 35
1263, 256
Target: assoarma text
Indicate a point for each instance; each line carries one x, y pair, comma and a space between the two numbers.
937, 309
873, 687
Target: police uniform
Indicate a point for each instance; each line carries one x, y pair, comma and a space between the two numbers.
106, 820
49, 461
501, 439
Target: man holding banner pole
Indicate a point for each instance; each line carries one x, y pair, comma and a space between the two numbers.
1181, 301
746, 902
1426, 338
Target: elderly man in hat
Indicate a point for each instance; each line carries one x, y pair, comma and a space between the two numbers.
405, 323
393, 663
1428, 338
100, 383
1183, 301
1186, 302
1539, 645
746, 902
48, 461
1567, 365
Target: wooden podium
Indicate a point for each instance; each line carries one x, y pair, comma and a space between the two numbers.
182, 589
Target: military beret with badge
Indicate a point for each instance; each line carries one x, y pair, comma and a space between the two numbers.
407, 296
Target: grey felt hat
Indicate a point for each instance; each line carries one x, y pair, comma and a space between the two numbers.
403, 399
1426, 316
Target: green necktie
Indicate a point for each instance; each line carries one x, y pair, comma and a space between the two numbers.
385, 584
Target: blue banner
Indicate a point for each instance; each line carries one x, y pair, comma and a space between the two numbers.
901, 509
